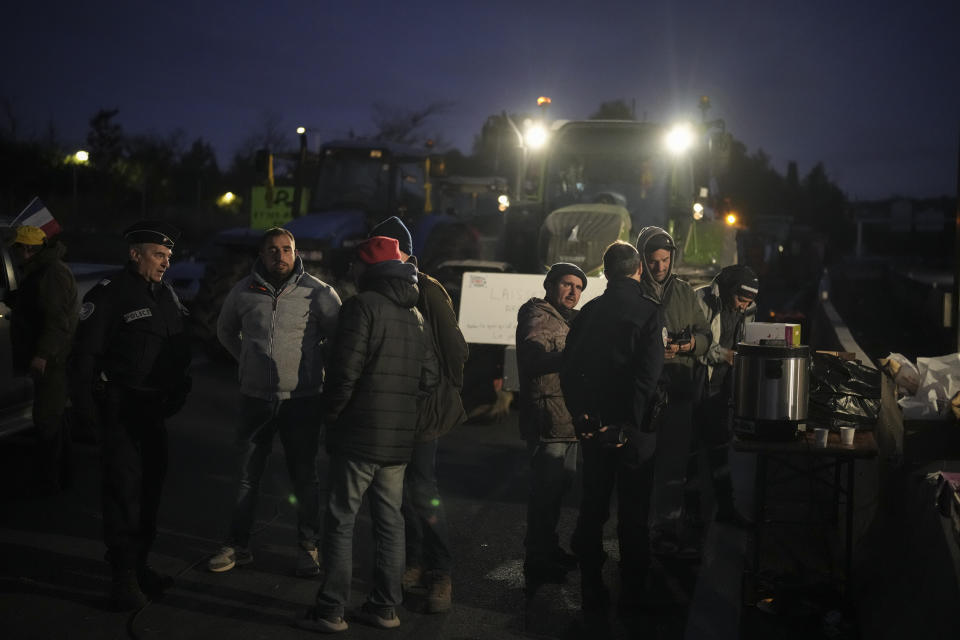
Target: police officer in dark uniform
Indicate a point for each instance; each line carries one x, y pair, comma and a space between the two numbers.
130, 370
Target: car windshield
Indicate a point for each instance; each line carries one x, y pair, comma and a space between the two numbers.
617, 165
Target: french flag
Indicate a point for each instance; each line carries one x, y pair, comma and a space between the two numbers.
36, 214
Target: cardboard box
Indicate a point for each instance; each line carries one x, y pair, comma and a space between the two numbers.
757, 331
843, 355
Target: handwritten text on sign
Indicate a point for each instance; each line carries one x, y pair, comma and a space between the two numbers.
489, 303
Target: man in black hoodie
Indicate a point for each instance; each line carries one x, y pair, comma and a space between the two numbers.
611, 365
379, 367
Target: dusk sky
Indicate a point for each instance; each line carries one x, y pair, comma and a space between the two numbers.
871, 89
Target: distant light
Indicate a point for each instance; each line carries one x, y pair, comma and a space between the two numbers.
535, 137
226, 199
704, 192
680, 138
542, 100
292, 499
503, 202
731, 219
301, 131
81, 157
376, 153
780, 248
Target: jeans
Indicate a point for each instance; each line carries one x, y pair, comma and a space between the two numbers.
349, 480
424, 515
297, 422
553, 468
630, 468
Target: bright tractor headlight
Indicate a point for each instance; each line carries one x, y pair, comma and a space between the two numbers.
679, 138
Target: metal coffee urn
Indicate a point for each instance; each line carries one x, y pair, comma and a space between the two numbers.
771, 390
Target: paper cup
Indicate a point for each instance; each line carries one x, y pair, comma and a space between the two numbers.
846, 435
820, 437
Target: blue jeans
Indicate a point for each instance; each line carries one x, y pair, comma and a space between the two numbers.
424, 516
553, 468
299, 428
349, 480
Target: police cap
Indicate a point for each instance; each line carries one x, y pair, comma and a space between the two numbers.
153, 231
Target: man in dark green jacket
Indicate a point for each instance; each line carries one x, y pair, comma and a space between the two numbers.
44, 322
688, 337
429, 560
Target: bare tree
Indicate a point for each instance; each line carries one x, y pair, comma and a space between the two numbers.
397, 124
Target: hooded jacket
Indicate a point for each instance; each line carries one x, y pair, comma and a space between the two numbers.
541, 338
711, 298
380, 367
46, 309
279, 335
443, 408
681, 310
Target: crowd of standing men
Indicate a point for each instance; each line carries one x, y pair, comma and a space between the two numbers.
382, 374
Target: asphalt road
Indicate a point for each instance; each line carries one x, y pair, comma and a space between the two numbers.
54, 579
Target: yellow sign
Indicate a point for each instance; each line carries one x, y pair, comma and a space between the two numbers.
273, 206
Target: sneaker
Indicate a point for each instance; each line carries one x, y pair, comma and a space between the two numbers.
313, 621
308, 563
229, 557
439, 593
412, 578
383, 617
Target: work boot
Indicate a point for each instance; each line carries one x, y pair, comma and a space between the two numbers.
439, 593
308, 562
151, 582
412, 577
732, 517
125, 591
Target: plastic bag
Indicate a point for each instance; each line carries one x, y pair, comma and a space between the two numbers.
843, 391
903, 372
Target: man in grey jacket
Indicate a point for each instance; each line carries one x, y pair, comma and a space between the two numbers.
276, 323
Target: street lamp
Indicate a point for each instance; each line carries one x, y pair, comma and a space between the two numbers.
81, 157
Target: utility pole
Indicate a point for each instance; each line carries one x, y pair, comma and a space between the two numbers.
956, 260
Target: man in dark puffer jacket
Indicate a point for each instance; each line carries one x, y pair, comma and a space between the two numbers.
380, 365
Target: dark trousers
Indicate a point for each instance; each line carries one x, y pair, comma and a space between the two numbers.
297, 420
553, 467
53, 449
134, 461
629, 469
424, 515
711, 433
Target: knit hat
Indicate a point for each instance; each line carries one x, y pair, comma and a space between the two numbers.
152, 231
659, 241
29, 235
561, 269
378, 249
393, 227
739, 280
